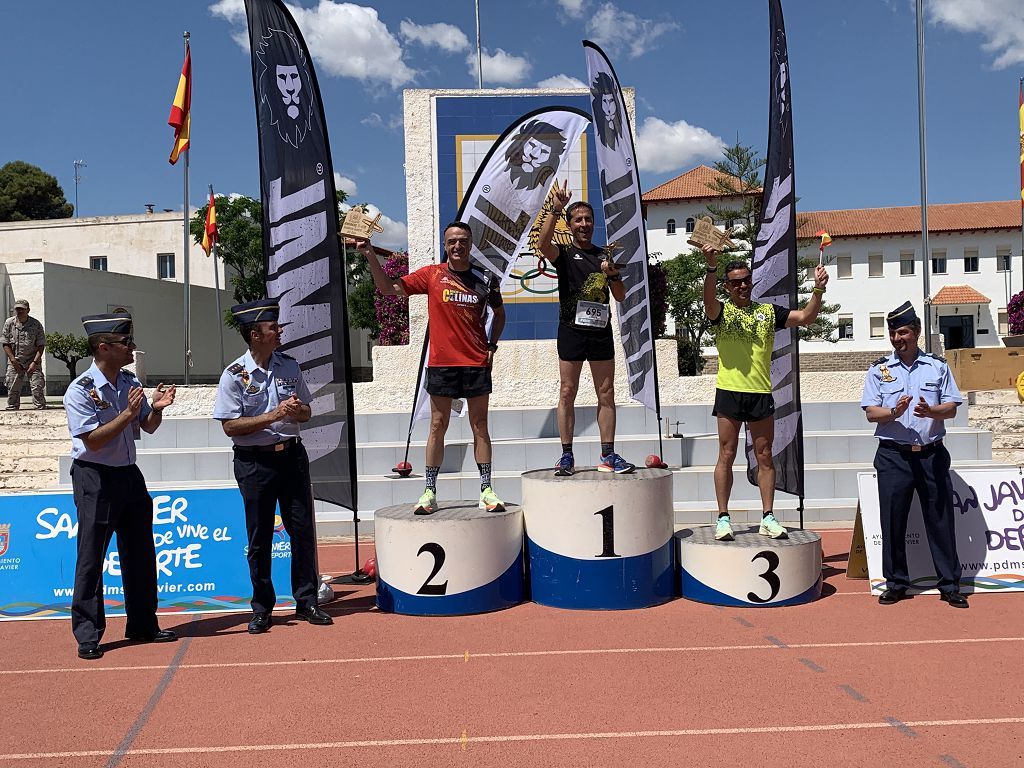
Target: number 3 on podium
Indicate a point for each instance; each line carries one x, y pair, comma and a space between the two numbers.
769, 575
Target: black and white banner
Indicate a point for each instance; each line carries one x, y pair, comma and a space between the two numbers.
775, 271
300, 242
624, 223
506, 195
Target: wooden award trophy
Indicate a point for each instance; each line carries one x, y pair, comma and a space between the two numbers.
706, 233
358, 224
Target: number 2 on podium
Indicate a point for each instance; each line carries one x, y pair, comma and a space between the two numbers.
439, 555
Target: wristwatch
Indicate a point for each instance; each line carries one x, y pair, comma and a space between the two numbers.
892, 412
492, 347
614, 278
711, 270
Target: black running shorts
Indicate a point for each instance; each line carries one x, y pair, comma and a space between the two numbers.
576, 345
458, 381
743, 406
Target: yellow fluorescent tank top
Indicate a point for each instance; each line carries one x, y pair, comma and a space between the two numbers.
745, 337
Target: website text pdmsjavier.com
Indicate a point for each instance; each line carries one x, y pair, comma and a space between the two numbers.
113, 590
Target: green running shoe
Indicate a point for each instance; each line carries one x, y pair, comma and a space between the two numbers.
723, 529
427, 505
771, 527
490, 502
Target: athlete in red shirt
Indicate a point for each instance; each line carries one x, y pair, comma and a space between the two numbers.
461, 352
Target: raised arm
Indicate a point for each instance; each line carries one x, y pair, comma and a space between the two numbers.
712, 306
384, 284
809, 313
559, 199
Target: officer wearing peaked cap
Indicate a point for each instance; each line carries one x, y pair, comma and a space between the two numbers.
106, 408
909, 395
261, 400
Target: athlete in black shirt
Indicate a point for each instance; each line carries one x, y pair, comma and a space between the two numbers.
586, 277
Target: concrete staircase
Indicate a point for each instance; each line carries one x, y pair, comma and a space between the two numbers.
31, 444
1001, 412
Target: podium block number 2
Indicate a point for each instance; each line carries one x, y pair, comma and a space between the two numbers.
607, 531
769, 575
438, 552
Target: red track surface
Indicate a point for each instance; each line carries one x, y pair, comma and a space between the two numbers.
840, 682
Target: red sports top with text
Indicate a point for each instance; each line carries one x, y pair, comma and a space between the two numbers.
456, 310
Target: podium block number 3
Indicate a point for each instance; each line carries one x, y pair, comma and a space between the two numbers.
438, 552
769, 575
607, 532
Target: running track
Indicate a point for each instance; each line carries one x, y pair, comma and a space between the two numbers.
841, 682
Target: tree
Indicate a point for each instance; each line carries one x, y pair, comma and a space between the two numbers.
29, 193
685, 292
68, 348
740, 180
658, 285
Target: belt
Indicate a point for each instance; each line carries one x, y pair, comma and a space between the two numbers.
907, 449
284, 445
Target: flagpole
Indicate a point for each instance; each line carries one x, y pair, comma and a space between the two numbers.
479, 50
187, 298
216, 289
924, 179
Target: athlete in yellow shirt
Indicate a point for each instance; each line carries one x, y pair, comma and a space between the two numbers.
745, 334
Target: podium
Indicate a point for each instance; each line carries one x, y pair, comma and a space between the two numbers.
598, 540
753, 570
460, 560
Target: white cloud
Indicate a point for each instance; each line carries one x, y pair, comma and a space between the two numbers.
447, 37
345, 184
395, 236
999, 22
561, 81
663, 147
374, 120
345, 39
616, 29
500, 68
573, 8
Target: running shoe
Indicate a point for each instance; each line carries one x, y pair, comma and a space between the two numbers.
615, 463
490, 501
566, 465
723, 529
771, 527
427, 505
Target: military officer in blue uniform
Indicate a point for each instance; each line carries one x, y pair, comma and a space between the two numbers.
106, 408
261, 400
909, 395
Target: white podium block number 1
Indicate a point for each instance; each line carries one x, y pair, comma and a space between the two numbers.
607, 516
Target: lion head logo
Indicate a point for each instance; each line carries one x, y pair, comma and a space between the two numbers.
285, 89
605, 105
534, 154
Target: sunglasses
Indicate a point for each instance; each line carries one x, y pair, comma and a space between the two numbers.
737, 282
128, 341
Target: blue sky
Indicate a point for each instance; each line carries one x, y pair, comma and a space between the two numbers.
95, 81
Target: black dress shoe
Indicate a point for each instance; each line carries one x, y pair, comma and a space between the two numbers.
260, 623
313, 615
160, 636
90, 651
955, 599
892, 596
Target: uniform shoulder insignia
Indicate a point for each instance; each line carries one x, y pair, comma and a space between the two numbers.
880, 360
285, 355
236, 369
128, 373
937, 357
86, 382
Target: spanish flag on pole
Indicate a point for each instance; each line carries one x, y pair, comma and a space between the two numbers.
210, 229
181, 110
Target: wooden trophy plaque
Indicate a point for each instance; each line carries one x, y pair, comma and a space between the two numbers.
358, 224
706, 233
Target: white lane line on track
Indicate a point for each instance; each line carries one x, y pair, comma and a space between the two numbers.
518, 654
459, 740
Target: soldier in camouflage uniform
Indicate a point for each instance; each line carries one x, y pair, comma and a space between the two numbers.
24, 341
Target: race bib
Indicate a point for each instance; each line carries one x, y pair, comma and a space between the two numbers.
592, 314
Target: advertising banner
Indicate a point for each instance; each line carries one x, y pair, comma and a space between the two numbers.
200, 553
989, 509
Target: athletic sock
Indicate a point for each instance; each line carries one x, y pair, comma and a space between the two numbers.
485, 475
723, 514
566, 447
607, 448
765, 514
432, 478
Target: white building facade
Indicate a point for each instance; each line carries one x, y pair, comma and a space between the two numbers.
875, 262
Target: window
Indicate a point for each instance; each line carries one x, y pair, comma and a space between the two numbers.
29, 261
844, 265
98, 262
877, 326
875, 265
1003, 258
690, 224
670, 227
970, 259
1004, 323
906, 262
846, 326
165, 266
939, 262
729, 225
